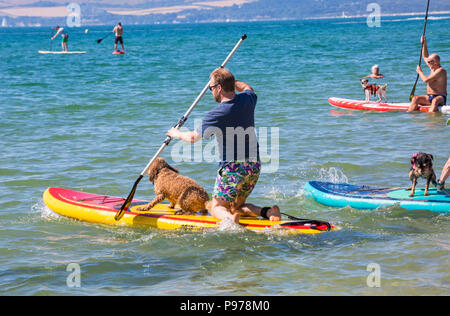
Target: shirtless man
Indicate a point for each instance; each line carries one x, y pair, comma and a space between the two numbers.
119, 32
436, 83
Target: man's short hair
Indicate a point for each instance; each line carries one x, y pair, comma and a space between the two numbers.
434, 56
224, 78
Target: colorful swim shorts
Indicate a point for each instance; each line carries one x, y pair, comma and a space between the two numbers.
236, 179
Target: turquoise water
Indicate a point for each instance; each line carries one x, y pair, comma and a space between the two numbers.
91, 123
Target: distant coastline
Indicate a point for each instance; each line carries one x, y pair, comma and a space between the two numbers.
382, 15
47, 19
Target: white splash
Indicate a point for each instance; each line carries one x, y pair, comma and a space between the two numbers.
333, 175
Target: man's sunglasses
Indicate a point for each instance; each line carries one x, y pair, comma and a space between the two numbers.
211, 87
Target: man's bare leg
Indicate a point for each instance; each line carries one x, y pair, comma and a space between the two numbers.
221, 210
248, 209
435, 104
418, 100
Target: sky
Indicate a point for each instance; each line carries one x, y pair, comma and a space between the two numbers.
65, 2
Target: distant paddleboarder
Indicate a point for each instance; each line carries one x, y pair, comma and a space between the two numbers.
436, 82
65, 38
119, 32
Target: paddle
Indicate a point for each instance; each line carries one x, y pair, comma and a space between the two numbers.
100, 40
421, 51
51, 41
448, 122
167, 141
314, 223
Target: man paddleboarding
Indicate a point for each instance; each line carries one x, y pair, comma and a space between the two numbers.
118, 29
65, 38
232, 123
436, 83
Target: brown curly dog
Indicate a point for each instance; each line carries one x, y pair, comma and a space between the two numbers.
178, 189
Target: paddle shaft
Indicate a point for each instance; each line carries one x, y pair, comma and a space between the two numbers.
421, 52
168, 139
51, 41
100, 40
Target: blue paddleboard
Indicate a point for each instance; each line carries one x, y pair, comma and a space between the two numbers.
366, 197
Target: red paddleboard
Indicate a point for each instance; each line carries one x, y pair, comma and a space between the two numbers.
118, 52
380, 107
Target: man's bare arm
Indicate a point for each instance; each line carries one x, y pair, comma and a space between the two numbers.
190, 137
241, 86
432, 77
425, 53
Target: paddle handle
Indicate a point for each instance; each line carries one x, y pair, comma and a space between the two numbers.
184, 118
411, 96
424, 31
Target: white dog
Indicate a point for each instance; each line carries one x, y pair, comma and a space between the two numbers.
373, 89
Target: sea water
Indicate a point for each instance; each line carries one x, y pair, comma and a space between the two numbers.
91, 122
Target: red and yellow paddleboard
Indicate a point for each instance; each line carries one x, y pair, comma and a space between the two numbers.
101, 209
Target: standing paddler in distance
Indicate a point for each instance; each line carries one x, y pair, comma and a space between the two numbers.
118, 29
65, 38
233, 124
436, 82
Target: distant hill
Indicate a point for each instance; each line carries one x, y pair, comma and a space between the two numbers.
96, 12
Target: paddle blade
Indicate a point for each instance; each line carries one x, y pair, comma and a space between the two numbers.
412, 93
99, 41
127, 203
448, 122
411, 96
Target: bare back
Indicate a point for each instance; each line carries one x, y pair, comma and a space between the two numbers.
119, 30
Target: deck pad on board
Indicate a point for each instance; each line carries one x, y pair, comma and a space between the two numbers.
368, 197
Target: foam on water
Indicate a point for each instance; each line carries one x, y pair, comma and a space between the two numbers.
45, 213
